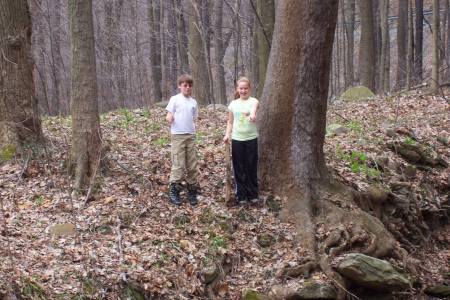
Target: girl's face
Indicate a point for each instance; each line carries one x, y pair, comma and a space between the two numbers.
243, 88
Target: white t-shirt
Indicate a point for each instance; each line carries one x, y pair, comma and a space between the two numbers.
185, 112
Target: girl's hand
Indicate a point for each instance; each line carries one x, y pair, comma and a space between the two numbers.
226, 139
252, 117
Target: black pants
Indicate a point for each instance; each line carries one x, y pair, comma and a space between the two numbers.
245, 166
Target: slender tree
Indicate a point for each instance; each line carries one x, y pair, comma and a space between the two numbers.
265, 19
19, 119
385, 47
197, 55
367, 45
435, 49
86, 136
418, 40
219, 52
155, 48
349, 24
402, 42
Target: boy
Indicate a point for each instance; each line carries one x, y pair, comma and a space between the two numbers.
182, 113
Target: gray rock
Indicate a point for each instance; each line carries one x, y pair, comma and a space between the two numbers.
161, 104
372, 273
336, 129
209, 273
317, 290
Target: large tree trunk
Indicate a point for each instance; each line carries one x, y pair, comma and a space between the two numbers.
385, 47
292, 134
435, 49
266, 19
19, 119
418, 42
86, 136
402, 40
367, 45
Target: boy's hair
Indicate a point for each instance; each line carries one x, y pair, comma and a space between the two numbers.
185, 78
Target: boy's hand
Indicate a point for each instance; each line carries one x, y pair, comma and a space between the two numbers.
169, 118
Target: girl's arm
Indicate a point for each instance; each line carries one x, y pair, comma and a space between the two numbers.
227, 136
253, 112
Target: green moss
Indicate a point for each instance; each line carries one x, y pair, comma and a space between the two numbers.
357, 93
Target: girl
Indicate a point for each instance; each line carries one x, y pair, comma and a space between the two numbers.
241, 129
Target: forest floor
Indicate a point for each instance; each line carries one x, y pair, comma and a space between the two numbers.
127, 230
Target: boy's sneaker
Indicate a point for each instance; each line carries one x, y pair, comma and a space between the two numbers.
192, 194
174, 193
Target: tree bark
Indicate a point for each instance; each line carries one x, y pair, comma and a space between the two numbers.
385, 47
86, 136
367, 45
402, 42
410, 50
418, 41
435, 49
19, 119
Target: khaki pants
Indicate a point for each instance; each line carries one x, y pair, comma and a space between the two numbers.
184, 158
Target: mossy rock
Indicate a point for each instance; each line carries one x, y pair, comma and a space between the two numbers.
253, 295
440, 291
265, 240
8, 152
357, 93
336, 129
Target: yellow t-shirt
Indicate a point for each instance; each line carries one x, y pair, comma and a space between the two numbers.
243, 129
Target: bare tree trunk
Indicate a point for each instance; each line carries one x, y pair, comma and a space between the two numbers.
182, 44
19, 119
86, 136
55, 52
418, 44
447, 40
402, 42
155, 48
197, 55
367, 45
410, 50
385, 47
435, 49
219, 52
350, 31
163, 49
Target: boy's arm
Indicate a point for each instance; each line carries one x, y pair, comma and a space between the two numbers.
170, 111
169, 118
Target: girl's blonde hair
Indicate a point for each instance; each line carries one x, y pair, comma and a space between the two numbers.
241, 79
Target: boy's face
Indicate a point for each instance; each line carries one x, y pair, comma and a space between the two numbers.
185, 88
